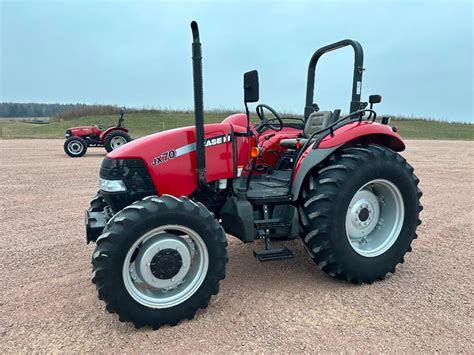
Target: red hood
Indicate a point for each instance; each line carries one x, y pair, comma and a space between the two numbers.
81, 128
83, 131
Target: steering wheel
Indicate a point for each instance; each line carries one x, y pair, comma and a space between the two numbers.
264, 122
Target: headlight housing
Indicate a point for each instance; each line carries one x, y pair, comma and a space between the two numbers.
124, 181
68, 134
112, 185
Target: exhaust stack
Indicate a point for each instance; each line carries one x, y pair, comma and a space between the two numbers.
199, 109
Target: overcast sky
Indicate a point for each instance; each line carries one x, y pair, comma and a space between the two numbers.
418, 54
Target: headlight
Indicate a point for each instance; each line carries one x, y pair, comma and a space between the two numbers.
112, 185
68, 134
130, 179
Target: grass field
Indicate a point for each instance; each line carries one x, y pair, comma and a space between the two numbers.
141, 124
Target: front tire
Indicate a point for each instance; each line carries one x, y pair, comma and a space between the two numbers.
75, 147
116, 139
360, 213
159, 260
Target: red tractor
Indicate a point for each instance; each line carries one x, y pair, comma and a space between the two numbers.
167, 201
78, 139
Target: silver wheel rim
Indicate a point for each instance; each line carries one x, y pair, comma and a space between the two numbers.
118, 141
375, 218
74, 147
142, 277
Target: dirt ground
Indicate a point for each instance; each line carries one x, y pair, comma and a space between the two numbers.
47, 302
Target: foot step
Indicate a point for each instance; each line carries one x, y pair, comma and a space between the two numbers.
271, 223
273, 254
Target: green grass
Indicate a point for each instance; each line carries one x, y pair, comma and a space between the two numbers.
432, 129
141, 124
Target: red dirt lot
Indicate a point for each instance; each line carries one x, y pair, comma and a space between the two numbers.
48, 303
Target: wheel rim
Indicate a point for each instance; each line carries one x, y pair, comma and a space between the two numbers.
74, 147
118, 141
165, 266
375, 218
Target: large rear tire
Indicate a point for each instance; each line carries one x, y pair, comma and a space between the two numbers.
116, 139
360, 213
75, 147
159, 260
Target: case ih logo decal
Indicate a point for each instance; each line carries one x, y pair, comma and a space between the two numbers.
218, 140
163, 158
173, 153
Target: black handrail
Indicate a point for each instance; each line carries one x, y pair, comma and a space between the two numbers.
356, 81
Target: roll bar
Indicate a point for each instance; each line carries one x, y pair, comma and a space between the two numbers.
120, 123
356, 81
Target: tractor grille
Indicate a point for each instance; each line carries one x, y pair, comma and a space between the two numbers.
135, 175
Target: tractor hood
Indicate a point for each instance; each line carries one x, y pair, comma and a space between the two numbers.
170, 156
82, 129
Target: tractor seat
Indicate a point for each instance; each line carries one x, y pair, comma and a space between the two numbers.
315, 122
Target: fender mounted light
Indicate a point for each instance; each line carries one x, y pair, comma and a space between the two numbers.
254, 152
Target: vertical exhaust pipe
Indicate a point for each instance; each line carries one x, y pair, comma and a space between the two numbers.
199, 109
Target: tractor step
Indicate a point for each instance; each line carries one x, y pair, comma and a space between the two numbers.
273, 254
271, 223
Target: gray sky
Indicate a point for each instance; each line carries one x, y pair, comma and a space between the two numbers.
418, 54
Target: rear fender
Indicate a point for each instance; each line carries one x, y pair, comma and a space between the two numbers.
310, 159
364, 132
348, 135
111, 129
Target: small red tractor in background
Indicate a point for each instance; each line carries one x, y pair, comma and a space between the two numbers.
78, 139
167, 201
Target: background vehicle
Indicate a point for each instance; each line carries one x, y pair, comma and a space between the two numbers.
78, 139
167, 200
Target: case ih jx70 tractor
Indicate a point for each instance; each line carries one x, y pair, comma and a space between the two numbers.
79, 138
166, 201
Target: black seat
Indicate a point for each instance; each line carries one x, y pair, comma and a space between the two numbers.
315, 122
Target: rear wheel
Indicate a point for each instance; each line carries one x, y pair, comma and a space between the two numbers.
159, 260
116, 139
360, 213
75, 147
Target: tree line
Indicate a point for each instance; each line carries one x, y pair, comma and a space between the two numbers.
15, 109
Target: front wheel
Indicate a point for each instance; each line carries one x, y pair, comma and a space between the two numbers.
360, 213
75, 147
159, 260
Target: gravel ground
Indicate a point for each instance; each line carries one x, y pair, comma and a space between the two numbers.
48, 303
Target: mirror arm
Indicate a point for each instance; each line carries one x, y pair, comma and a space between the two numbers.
247, 113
